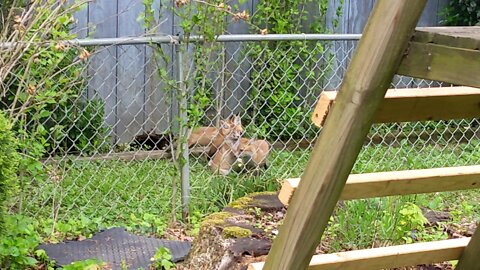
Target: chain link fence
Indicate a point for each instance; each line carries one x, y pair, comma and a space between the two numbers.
112, 158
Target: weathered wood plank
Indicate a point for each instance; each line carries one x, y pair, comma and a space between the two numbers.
102, 71
429, 18
80, 28
130, 73
380, 184
157, 96
470, 259
372, 68
358, 12
388, 257
437, 62
466, 37
405, 105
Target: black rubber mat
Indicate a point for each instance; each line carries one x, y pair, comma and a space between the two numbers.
115, 246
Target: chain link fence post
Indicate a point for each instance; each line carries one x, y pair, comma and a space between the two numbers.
183, 131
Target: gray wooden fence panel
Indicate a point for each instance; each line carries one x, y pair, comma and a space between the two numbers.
102, 67
130, 73
81, 21
157, 110
339, 49
237, 69
357, 16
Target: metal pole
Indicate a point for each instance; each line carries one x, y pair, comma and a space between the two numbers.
177, 39
183, 133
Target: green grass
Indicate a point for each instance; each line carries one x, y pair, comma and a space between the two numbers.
138, 195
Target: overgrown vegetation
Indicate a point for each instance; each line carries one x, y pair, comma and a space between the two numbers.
8, 167
42, 82
461, 13
40, 86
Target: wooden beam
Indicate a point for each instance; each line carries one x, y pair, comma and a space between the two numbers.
442, 63
371, 71
380, 184
404, 105
470, 259
466, 37
388, 257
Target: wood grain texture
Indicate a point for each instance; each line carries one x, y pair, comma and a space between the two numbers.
442, 63
388, 257
157, 113
403, 105
380, 184
470, 259
379, 52
102, 68
80, 28
130, 73
466, 37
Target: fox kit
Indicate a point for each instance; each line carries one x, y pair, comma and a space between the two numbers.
253, 153
214, 137
226, 146
232, 126
203, 136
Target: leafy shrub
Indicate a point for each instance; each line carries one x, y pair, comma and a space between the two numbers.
18, 242
44, 86
462, 13
8, 165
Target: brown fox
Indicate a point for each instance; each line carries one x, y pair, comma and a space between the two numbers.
203, 136
226, 146
214, 137
253, 154
232, 126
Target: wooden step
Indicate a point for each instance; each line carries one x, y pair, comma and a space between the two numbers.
387, 257
402, 105
447, 54
380, 184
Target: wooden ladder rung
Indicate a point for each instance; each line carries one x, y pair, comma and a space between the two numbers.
380, 184
402, 105
387, 257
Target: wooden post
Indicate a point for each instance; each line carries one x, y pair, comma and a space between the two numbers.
376, 60
470, 258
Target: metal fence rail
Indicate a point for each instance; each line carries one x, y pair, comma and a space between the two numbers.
126, 116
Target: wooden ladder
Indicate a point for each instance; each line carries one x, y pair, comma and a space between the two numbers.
390, 44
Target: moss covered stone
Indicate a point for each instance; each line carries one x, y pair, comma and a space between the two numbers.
236, 232
215, 219
241, 203
267, 193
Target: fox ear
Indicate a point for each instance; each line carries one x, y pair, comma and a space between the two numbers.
224, 124
236, 120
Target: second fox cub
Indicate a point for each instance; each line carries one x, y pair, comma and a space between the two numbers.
253, 153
